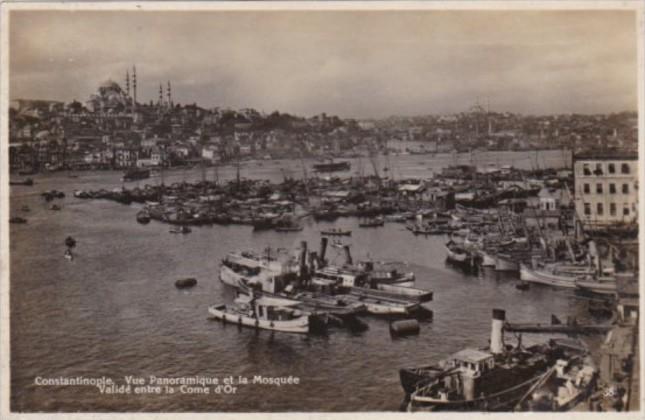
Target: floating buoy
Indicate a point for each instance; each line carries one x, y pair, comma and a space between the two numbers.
404, 327
185, 283
522, 286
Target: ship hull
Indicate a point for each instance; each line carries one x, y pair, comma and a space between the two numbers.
540, 277
299, 325
505, 263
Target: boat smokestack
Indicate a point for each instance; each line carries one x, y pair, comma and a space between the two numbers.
497, 331
303, 257
314, 262
323, 249
348, 255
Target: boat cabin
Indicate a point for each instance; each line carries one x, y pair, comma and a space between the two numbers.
473, 361
340, 277
270, 309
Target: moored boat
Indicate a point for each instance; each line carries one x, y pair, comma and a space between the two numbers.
135, 174
374, 222
143, 217
263, 313
564, 386
26, 182
493, 379
547, 278
332, 166
506, 262
180, 229
336, 232
487, 260
455, 253
601, 286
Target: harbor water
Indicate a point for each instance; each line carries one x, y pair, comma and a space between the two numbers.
114, 311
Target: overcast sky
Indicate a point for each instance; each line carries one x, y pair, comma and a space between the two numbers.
352, 64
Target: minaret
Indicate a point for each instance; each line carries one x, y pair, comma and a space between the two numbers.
134, 84
127, 83
169, 95
160, 95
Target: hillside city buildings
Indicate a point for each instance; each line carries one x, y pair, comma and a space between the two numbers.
113, 129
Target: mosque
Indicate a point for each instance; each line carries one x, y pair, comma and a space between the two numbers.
111, 98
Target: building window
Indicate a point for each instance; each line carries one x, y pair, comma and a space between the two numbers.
586, 170
600, 210
587, 209
598, 170
624, 168
586, 189
612, 209
612, 188
625, 209
625, 188
598, 188
611, 168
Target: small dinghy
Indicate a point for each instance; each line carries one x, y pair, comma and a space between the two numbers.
263, 313
143, 217
185, 283
180, 229
68, 255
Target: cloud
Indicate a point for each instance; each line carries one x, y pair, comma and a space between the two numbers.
360, 64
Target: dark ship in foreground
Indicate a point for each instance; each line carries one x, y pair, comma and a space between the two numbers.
500, 378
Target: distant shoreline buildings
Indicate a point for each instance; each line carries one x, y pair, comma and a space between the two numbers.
112, 130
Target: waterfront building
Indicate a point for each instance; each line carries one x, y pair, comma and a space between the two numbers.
606, 189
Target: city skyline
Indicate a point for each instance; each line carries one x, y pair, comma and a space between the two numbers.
351, 64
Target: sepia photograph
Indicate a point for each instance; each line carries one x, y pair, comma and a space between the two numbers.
333, 207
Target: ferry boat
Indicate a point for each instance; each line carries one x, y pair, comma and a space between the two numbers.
263, 313
240, 267
135, 174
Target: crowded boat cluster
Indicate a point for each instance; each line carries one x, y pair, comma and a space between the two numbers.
318, 294
503, 218
267, 205
495, 218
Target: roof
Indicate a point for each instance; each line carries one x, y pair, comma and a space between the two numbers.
472, 355
338, 194
608, 155
411, 187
